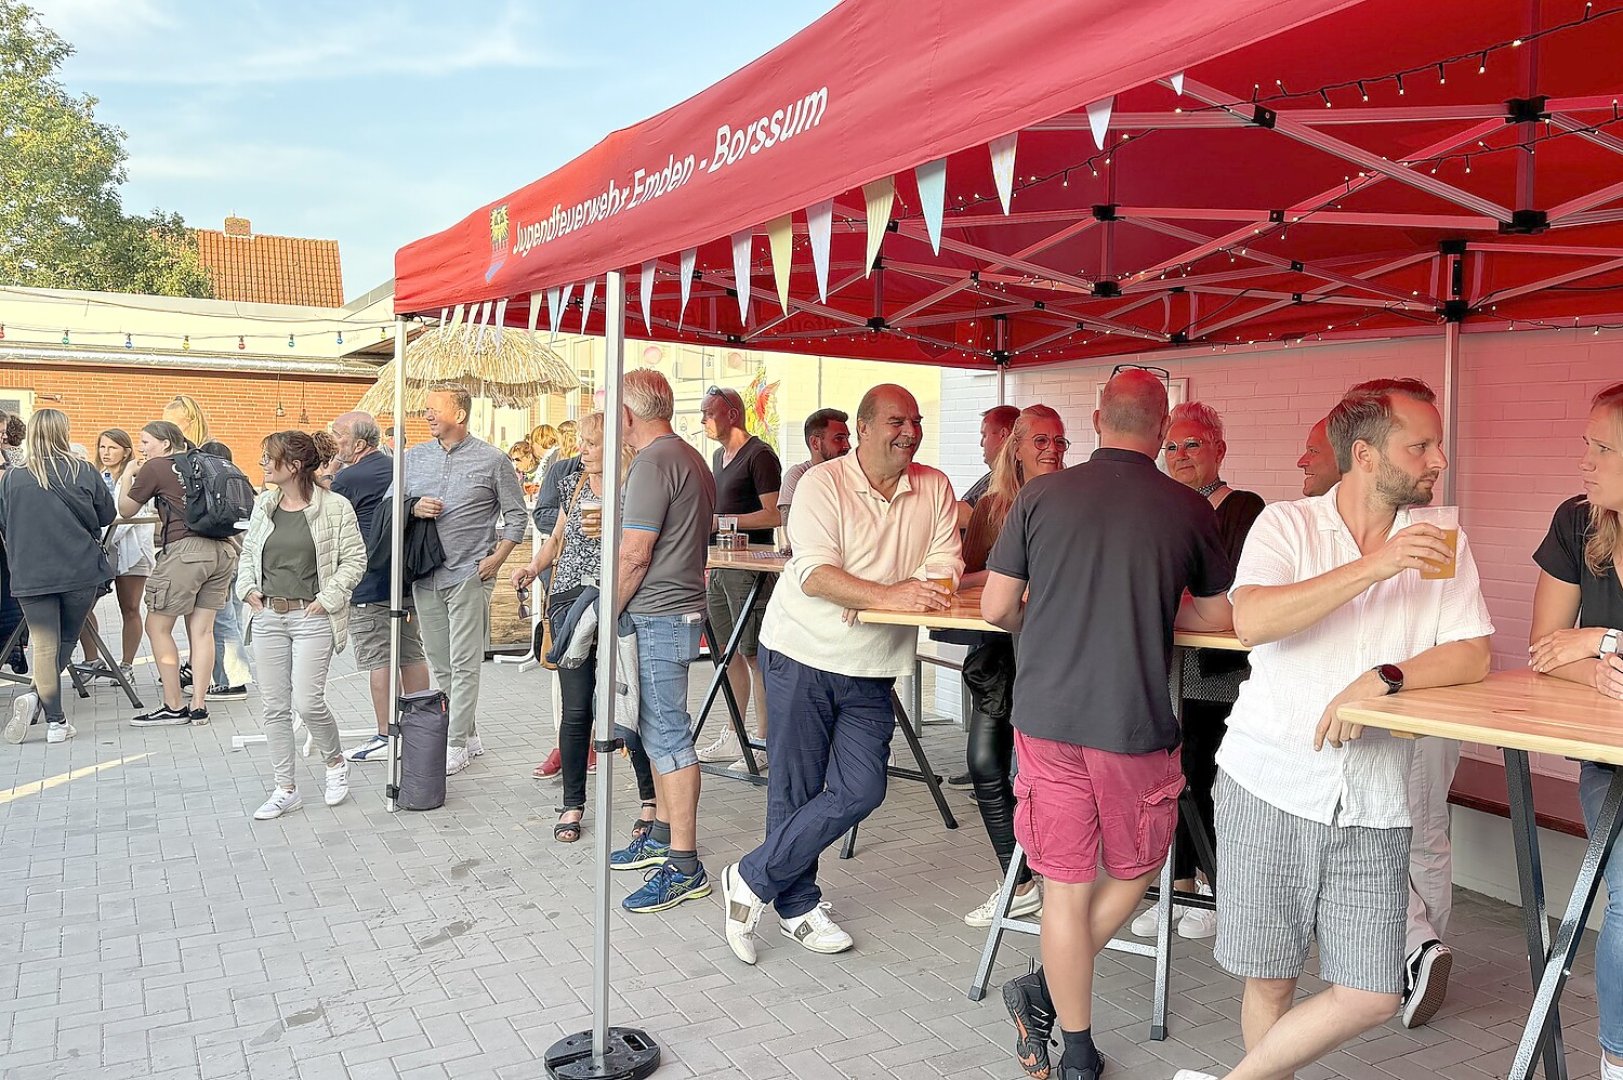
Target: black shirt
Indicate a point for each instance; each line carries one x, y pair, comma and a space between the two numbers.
53, 535
1108, 548
364, 484
1561, 555
753, 472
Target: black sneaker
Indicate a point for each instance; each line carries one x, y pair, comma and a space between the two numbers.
1093, 1071
961, 780
185, 676
200, 716
164, 717
1426, 983
226, 693
1032, 1011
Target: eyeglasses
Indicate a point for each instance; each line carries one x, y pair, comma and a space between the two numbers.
1160, 372
1188, 446
265, 463
1043, 442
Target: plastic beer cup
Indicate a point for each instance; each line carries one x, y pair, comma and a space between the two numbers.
1446, 518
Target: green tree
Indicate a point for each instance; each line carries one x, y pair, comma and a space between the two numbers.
62, 222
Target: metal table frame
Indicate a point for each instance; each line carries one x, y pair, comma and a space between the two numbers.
77, 673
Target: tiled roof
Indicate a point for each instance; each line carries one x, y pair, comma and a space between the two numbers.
271, 269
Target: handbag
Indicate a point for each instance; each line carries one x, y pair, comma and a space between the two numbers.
544, 647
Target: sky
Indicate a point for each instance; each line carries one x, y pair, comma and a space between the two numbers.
374, 123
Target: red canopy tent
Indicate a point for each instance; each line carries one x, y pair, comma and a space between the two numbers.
944, 182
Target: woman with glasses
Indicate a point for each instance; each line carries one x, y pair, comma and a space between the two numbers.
1035, 446
301, 559
1194, 451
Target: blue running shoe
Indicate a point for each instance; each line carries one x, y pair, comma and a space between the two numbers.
664, 888
640, 854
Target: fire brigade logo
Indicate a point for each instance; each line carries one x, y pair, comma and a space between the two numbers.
500, 233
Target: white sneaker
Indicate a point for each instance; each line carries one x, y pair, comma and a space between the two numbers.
1144, 924
723, 749
337, 783
475, 747
1198, 924
23, 708
457, 758
374, 749
742, 909
816, 931
62, 732
281, 802
1028, 903
1191, 1074
742, 766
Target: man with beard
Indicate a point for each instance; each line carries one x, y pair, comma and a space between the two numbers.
1313, 814
867, 526
827, 438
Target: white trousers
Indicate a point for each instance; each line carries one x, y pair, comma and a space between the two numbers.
1431, 864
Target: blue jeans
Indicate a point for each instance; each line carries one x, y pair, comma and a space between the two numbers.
666, 646
1592, 784
829, 742
230, 658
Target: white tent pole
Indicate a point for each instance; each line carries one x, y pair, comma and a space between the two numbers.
397, 563
1451, 409
614, 333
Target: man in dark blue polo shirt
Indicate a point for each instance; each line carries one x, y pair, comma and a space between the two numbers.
1105, 551
364, 480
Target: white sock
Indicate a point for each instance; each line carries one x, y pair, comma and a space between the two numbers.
1609, 1070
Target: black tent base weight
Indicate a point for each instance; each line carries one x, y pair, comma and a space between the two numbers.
628, 1055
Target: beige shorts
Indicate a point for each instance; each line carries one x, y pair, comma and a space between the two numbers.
369, 637
191, 573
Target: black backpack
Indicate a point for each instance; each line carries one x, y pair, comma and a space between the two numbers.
218, 495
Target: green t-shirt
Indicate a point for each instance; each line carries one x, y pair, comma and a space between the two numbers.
287, 566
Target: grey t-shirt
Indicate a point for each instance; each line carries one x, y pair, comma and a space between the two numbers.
670, 492
1107, 548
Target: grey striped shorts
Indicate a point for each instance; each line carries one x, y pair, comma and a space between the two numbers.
1286, 880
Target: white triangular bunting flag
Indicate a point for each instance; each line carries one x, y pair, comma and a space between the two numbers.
477, 330
535, 313
741, 272
1099, 120
688, 258
820, 230
501, 319
781, 233
586, 304
647, 284
879, 195
569, 290
445, 313
1177, 84
932, 180
1003, 166
555, 310
457, 316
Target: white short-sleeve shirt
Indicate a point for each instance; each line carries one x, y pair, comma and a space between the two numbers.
839, 520
1269, 746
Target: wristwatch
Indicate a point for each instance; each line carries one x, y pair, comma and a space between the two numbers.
1608, 642
1392, 676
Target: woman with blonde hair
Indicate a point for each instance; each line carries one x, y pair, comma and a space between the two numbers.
573, 552
185, 413
1035, 447
568, 444
544, 445
1577, 625
52, 513
301, 559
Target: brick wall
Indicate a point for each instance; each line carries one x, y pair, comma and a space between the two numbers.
241, 408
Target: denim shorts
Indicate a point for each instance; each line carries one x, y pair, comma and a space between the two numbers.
666, 645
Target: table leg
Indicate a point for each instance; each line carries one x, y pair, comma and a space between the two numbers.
1163, 950
722, 660
1552, 976
116, 673
926, 773
1530, 871
848, 849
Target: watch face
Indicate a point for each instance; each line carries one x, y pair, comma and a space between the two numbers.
1391, 674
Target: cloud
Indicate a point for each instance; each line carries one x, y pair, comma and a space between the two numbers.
90, 23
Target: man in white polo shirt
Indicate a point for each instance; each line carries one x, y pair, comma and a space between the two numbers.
1313, 817
864, 528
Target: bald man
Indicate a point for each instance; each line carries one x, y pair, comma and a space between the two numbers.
1318, 462
1098, 785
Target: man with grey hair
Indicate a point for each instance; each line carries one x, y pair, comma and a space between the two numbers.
364, 480
469, 489
669, 499
1097, 786
1313, 816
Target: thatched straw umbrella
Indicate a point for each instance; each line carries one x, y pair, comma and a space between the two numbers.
510, 367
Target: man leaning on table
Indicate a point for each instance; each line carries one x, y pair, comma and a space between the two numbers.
1106, 550
864, 529
1313, 814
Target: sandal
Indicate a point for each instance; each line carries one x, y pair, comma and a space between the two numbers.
567, 832
643, 826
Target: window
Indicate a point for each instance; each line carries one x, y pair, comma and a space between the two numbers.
17, 402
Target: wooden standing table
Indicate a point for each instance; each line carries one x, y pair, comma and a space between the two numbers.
1522, 712
965, 614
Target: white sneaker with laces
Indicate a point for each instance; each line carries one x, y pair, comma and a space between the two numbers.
742, 909
374, 749
1191, 1074
742, 766
457, 758
1027, 903
816, 931
723, 749
1144, 924
475, 747
55, 733
337, 783
281, 801
1198, 924
23, 708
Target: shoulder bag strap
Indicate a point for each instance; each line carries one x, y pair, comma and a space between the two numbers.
546, 597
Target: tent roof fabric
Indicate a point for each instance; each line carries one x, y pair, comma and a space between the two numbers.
1330, 168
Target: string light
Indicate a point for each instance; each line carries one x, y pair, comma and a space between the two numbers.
290, 341
241, 344
186, 343
65, 337
340, 337
128, 344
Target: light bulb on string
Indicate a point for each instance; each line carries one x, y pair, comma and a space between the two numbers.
1482, 65
65, 337
1442, 76
241, 344
1400, 85
128, 344
290, 341
186, 343
340, 337
1325, 94
1363, 93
